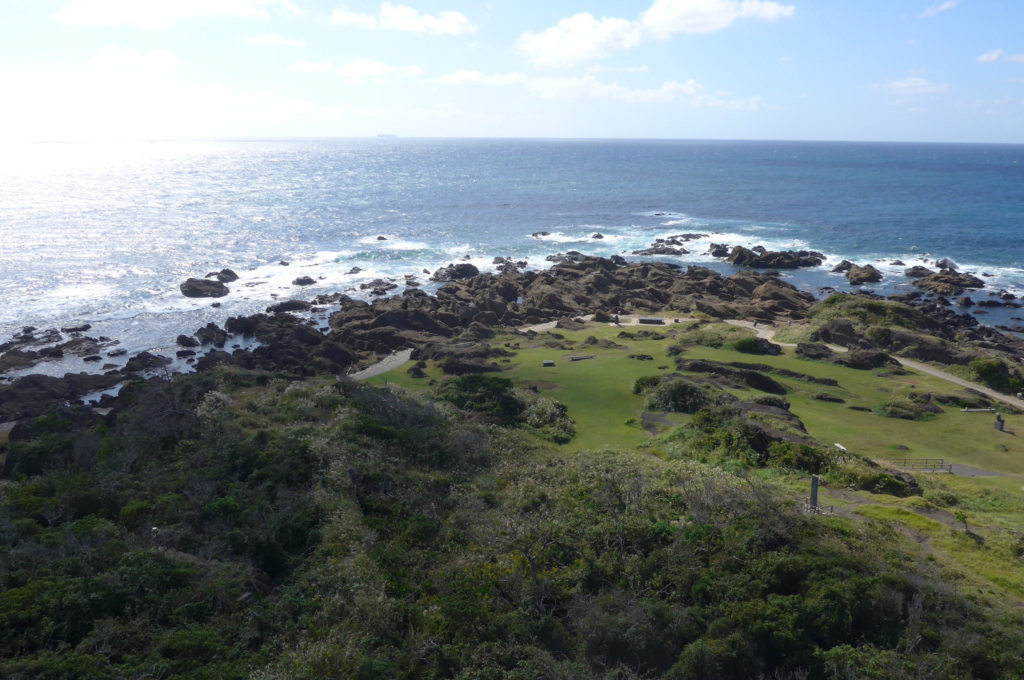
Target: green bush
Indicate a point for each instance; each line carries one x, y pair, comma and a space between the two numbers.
800, 457
548, 419
484, 394
751, 345
904, 409
644, 383
677, 396
770, 400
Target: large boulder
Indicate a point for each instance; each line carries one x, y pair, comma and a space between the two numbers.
840, 332
455, 272
948, 282
760, 258
917, 271
858, 275
203, 288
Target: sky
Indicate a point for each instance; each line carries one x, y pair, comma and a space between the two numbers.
871, 70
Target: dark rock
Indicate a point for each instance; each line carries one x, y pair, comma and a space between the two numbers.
569, 324
774, 260
829, 398
381, 238
840, 332
965, 301
183, 340
860, 275
917, 272
290, 306
601, 316
455, 272
661, 250
718, 250
185, 353
283, 263
456, 366
814, 351
539, 234
843, 266
946, 263
897, 263
355, 270
202, 288
212, 334
948, 282
304, 281
145, 361
93, 358
224, 276
119, 352
76, 329
597, 235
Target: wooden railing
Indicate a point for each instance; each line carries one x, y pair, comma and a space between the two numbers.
921, 464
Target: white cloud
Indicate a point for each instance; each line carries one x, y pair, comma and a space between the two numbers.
461, 77
990, 56
343, 18
156, 14
913, 86
582, 37
274, 40
601, 68
935, 10
117, 56
999, 55
355, 72
309, 67
590, 87
405, 18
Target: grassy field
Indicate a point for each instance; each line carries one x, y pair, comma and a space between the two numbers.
598, 394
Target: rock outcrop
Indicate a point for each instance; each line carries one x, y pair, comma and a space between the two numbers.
203, 288
858, 275
788, 259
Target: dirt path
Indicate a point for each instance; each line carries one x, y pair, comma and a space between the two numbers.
623, 322
768, 332
390, 363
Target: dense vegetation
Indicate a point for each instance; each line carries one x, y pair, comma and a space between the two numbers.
233, 525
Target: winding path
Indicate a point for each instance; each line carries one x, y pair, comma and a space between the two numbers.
388, 364
768, 333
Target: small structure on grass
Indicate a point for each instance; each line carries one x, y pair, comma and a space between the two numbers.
548, 363
651, 320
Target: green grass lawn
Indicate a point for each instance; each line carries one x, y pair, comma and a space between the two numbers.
598, 394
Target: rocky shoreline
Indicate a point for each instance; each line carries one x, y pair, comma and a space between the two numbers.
452, 326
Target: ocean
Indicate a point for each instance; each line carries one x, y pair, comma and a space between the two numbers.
105, 233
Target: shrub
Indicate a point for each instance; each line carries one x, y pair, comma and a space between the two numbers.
800, 457
549, 419
904, 409
678, 396
770, 400
644, 383
756, 346
484, 394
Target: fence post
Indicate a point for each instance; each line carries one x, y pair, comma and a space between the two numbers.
814, 491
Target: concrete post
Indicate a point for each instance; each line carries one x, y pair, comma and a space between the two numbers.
1000, 423
814, 491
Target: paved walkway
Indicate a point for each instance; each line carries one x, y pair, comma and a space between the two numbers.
768, 333
623, 322
390, 363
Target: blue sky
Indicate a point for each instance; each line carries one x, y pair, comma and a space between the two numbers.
897, 70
